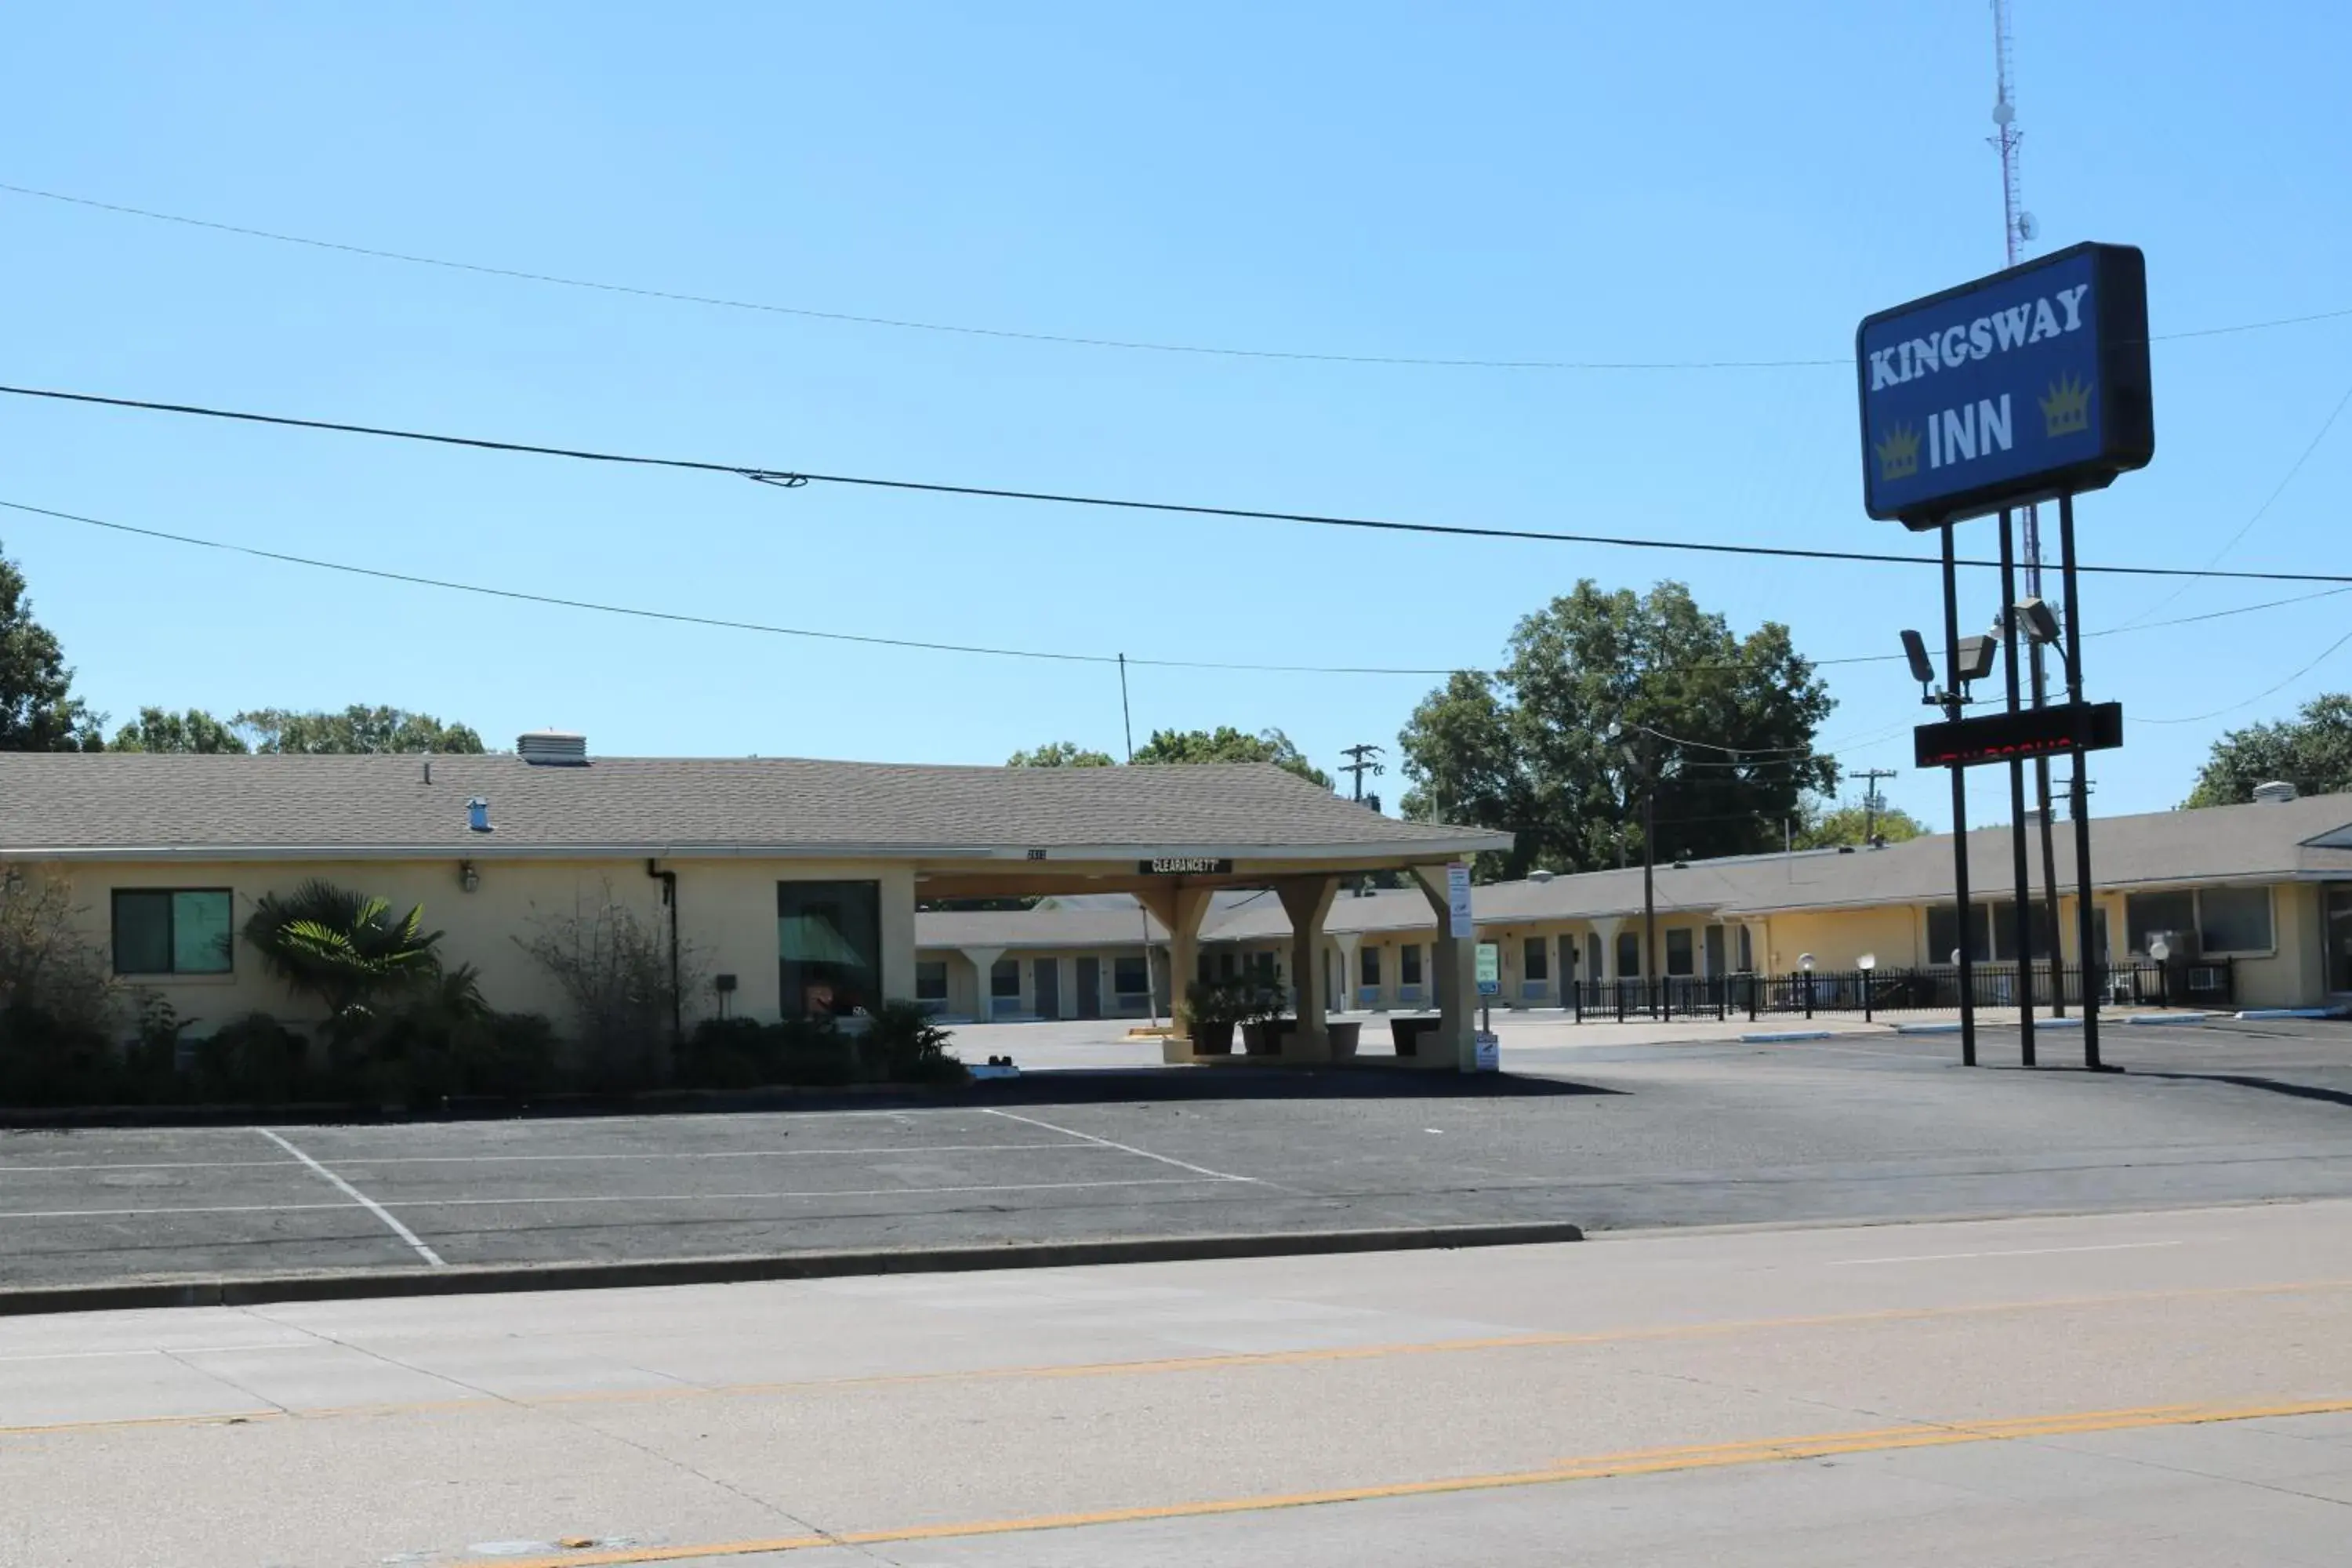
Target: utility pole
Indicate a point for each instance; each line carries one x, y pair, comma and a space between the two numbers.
1359, 763
1870, 777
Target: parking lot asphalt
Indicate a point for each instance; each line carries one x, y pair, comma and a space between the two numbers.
1596, 1130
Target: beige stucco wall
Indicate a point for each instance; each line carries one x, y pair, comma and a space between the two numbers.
726, 921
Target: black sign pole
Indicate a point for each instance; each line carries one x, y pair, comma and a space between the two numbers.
2079, 795
1960, 805
2023, 904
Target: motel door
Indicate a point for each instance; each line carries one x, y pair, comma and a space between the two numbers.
1049, 988
1090, 987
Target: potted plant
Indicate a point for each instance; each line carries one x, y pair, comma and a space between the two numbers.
1211, 1008
1263, 1025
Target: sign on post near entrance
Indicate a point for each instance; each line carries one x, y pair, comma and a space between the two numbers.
2028, 732
1457, 898
2018, 387
1490, 969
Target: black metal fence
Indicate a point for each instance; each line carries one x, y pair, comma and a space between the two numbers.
1869, 993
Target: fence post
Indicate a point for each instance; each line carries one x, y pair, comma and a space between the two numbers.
1865, 997
1621, 999
1808, 996
1576, 996
1751, 996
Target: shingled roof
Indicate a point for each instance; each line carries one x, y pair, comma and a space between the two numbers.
132, 804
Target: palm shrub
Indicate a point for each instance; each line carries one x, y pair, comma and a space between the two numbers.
905, 1045
342, 948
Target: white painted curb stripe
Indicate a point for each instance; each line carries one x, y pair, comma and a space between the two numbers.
1776, 1036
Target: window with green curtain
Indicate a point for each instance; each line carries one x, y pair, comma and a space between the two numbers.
2234, 919
173, 930
829, 946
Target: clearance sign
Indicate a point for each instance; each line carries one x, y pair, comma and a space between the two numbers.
2019, 387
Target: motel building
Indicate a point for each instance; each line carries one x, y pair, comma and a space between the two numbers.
791, 886
794, 885
2266, 886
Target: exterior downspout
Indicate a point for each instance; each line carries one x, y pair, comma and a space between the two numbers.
668, 879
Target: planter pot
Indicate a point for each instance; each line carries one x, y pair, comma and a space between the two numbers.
1407, 1034
1343, 1038
1266, 1039
1213, 1039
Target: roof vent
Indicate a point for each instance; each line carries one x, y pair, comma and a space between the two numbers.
477, 815
552, 748
2278, 791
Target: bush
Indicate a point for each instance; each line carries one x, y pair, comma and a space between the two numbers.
253, 1059
616, 968
49, 1060
729, 1053
509, 1053
904, 1046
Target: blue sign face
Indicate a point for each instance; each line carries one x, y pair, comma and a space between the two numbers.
2018, 387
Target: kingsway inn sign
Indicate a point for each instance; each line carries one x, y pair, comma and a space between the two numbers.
2014, 388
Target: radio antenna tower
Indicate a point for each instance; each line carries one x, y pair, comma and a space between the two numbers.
2017, 225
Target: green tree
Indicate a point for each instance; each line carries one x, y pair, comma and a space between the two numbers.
1227, 744
1723, 724
38, 711
2312, 752
1824, 827
355, 729
1059, 754
159, 729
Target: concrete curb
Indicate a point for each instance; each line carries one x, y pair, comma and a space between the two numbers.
2251, 1014
1774, 1036
2166, 1017
1927, 1028
350, 1284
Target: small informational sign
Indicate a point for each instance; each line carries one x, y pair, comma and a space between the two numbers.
1489, 1057
1490, 969
1182, 866
1457, 898
2018, 387
2028, 733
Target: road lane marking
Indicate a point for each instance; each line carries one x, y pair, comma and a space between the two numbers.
379, 1208
369, 1161
1229, 1361
2006, 1252
1122, 1148
360, 1198
1602, 1467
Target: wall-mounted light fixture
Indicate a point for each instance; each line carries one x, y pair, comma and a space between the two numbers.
467, 876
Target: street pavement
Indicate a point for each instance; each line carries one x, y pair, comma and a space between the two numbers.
2155, 1390
1593, 1126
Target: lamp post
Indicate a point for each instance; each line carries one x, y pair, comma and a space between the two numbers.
2041, 623
1965, 660
1637, 759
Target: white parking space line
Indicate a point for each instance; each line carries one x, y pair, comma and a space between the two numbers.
1122, 1148
378, 1209
360, 1198
374, 1159
2008, 1252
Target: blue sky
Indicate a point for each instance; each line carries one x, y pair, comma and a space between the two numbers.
1545, 181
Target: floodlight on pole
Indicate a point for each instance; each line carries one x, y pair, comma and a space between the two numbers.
1923, 669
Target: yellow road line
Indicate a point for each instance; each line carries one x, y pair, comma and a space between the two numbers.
1233, 1361
1635, 1462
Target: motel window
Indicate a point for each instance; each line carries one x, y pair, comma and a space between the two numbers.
171, 931
1228, 963
1629, 955
1678, 951
1535, 961
2234, 919
1368, 966
1944, 932
2004, 930
1128, 975
932, 979
1004, 977
1263, 965
1409, 972
829, 946
2144, 914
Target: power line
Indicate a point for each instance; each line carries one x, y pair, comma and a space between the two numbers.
681, 618
794, 479
1065, 340
1214, 350
2199, 718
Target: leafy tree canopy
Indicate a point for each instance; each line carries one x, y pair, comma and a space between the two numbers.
355, 729
1227, 744
2312, 752
159, 729
1059, 754
1725, 724
1823, 827
38, 711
